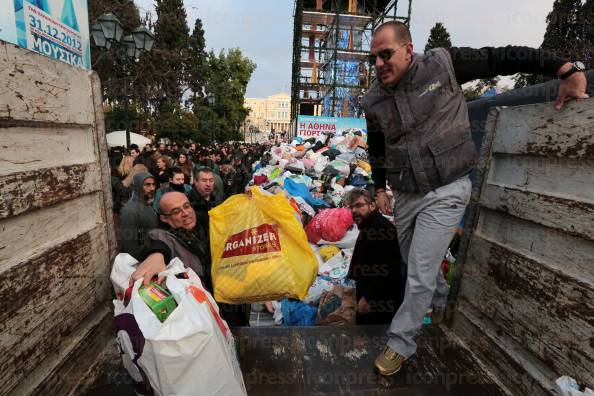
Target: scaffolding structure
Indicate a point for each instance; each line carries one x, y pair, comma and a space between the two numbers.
331, 43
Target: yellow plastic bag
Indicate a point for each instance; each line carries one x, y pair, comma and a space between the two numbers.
364, 165
259, 250
328, 251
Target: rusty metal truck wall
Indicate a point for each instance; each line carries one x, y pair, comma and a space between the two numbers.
526, 298
56, 237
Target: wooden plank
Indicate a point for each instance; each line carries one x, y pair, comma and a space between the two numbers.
473, 209
45, 299
524, 292
54, 221
575, 217
519, 371
543, 131
25, 191
37, 88
559, 250
103, 159
25, 236
25, 149
567, 178
76, 354
327, 360
548, 312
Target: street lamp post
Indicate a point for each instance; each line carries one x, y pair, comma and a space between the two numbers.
108, 32
211, 100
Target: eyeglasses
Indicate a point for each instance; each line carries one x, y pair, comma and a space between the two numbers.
357, 205
384, 54
177, 211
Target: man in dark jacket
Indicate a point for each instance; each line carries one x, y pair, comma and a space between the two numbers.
203, 196
242, 175
185, 238
376, 265
138, 216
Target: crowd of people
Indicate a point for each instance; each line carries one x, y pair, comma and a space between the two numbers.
204, 176
230, 163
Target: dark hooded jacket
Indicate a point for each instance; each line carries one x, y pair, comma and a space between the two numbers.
202, 206
137, 218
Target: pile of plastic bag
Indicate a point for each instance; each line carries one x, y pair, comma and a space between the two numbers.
315, 175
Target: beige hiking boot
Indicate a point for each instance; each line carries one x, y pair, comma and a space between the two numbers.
389, 362
437, 316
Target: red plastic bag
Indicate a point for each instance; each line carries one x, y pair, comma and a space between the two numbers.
330, 225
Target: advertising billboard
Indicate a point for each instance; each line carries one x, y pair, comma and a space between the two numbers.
312, 126
55, 28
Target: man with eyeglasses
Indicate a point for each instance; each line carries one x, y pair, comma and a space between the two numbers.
419, 142
376, 265
185, 238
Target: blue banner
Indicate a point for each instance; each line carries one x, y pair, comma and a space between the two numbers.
55, 28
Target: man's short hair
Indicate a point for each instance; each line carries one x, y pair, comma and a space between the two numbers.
176, 171
355, 194
204, 169
401, 31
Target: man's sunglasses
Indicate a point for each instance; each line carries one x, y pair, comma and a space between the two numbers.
384, 54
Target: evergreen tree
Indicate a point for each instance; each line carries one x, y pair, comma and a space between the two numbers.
586, 21
229, 75
195, 62
563, 37
171, 43
438, 37
563, 31
176, 123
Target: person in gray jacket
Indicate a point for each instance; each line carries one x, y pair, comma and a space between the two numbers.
138, 216
183, 236
420, 143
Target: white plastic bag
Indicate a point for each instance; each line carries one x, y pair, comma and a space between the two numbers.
341, 166
124, 266
348, 241
193, 349
569, 387
336, 268
321, 163
317, 289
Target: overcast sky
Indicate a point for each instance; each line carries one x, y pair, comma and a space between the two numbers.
263, 29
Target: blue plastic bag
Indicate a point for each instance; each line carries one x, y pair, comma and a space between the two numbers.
300, 190
298, 313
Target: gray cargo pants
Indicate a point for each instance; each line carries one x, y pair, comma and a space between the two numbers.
426, 224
